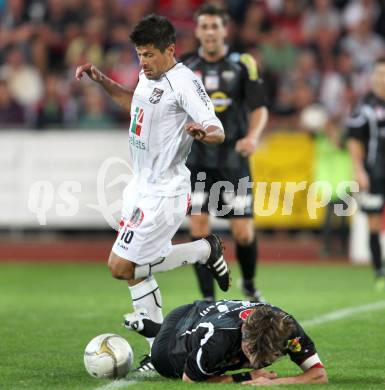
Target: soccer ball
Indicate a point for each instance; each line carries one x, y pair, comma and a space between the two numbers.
108, 356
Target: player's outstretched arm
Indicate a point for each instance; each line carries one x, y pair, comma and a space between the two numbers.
314, 375
210, 135
254, 374
257, 122
118, 92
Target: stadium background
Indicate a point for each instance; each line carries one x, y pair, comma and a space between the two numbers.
56, 133
62, 169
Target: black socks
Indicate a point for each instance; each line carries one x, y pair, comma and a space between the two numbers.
375, 250
247, 259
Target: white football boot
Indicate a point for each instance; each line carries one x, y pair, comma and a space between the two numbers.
134, 321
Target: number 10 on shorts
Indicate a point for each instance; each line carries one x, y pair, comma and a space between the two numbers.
127, 236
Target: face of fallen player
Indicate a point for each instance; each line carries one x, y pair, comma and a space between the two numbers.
246, 349
153, 61
378, 80
211, 33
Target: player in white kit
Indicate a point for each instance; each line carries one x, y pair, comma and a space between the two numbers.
169, 109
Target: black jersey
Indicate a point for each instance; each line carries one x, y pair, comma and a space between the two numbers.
235, 89
208, 340
367, 124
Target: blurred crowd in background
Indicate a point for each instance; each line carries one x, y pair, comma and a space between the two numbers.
318, 51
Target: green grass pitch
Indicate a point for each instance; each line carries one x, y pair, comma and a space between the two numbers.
48, 313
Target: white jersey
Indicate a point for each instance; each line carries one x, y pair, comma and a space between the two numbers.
159, 143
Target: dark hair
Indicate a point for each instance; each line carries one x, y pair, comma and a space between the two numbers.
154, 29
267, 332
213, 10
380, 61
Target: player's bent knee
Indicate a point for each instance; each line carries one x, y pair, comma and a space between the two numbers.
242, 231
244, 238
116, 272
121, 268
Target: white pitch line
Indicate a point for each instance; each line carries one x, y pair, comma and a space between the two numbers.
343, 313
117, 384
329, 317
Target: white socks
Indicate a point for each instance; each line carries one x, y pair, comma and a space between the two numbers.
189, 253
146, 295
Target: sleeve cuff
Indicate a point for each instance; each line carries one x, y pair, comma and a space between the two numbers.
212, 122
310, 362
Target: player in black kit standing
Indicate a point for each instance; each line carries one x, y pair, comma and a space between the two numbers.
231, 80
366, 143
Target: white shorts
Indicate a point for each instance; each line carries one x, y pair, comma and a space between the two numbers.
147, 225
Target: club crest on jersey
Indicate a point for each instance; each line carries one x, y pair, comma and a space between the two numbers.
245, 313
156, 95
136, 218
294, 345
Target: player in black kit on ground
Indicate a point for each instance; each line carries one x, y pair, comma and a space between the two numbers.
231, 80
202, 341
366, 143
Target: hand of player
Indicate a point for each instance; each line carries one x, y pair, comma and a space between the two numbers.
196, 131
92, 72
260, 381
246, 146
263, 373
362, 179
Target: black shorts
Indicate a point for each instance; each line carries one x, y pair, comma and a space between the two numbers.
373, 201
160, 348
225, 193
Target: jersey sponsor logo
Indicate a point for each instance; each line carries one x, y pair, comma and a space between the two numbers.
156, 95
138, 144
136, 218
201, 92
136, 129
137, 121
294, 345
245, 313
221, 101
211, 81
